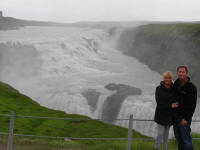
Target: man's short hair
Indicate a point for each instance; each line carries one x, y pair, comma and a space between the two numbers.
186, 69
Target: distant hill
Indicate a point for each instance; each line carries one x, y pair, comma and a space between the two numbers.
9, 23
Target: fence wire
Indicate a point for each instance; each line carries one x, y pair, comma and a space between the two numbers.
16, 137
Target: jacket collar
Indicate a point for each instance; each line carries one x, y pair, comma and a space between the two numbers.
162, 84
179, 82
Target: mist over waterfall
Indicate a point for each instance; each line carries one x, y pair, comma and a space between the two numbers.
79, 71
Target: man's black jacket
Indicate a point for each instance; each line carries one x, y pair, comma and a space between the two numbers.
186, 95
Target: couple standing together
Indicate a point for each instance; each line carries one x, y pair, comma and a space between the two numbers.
176, 103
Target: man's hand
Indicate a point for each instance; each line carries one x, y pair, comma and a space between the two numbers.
184, 122
175, 105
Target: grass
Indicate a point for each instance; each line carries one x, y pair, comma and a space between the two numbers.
12, 100
187, 29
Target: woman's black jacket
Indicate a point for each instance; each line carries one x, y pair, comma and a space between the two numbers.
164, 99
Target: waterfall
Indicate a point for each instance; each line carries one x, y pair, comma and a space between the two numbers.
67, 68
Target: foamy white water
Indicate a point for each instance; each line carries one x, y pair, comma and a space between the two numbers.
72, 60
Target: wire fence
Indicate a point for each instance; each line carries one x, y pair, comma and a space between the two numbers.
11, 135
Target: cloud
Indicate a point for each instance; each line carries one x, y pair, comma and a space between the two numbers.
99, 10
183, 10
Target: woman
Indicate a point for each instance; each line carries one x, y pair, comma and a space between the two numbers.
165, 104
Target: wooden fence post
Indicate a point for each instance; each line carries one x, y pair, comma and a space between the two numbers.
10, 136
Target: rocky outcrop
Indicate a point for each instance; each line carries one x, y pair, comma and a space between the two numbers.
92, 97
112, 104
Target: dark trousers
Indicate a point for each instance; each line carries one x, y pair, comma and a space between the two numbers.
182, 134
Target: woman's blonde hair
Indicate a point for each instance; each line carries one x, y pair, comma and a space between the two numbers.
167, 74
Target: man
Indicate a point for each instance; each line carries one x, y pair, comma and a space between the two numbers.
186, 95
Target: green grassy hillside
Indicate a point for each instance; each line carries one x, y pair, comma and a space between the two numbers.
12, 100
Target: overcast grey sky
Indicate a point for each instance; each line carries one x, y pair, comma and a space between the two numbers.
102, 10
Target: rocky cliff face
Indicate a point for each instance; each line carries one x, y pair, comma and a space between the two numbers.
164, 47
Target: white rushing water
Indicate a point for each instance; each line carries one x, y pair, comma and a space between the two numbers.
68, 61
